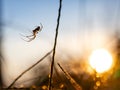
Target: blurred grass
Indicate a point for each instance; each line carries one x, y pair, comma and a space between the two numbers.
76, 69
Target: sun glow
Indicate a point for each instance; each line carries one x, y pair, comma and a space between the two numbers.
100, 60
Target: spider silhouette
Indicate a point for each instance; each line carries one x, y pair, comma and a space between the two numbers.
34, 33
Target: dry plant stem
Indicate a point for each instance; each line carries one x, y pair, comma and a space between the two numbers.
55, 42
72, 81
29, 69
55, 69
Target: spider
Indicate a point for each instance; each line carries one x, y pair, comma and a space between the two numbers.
34, 33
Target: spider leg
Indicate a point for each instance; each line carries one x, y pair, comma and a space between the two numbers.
26, 36
29, 36
41, 26
29, 39
25, 40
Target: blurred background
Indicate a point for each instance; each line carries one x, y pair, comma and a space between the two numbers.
85, 26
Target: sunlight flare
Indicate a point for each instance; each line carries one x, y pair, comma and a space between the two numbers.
100, 60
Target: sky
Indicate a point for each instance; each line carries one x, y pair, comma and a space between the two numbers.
84, 24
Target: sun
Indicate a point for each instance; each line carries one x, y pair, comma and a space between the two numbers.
100, 60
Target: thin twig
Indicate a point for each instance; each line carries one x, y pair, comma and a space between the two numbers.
55, 42
29, 69
72, 81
